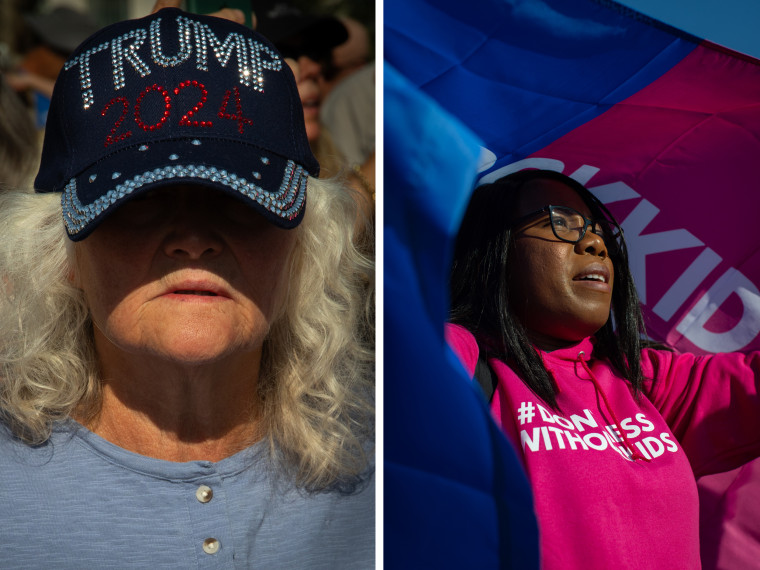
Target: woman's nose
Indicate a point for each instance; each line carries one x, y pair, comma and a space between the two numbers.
592, 243
193, 233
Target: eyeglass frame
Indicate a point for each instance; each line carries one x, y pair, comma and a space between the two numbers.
587, 222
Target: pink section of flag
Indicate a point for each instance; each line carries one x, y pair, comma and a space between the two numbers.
678, 166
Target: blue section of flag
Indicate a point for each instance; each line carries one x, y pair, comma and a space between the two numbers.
523, 73
455, 495
526, 76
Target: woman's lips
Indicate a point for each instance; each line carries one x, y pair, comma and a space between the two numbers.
596, 272
595, 276
197, 289
202, 293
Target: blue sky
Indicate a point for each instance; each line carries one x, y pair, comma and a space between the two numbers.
730, 23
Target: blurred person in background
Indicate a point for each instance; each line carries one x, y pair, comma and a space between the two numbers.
308, 43
348, 57
52, 37
348, 111
19, 148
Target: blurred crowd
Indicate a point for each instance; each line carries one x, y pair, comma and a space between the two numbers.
331, 56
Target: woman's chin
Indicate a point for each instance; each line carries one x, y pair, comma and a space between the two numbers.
198, 350
194, 349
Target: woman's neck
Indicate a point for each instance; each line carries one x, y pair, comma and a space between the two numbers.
178, 412
548, 343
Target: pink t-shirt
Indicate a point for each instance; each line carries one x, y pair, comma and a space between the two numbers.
614, 476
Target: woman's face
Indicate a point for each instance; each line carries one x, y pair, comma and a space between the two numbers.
561, 292
185, 274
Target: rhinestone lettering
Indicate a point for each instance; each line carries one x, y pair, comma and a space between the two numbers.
113, 137
185, 43
85, 76
238, 116
119, 53
223, 52
253, 57
167, 108
185, 120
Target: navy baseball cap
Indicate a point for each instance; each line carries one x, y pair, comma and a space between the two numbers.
175, 98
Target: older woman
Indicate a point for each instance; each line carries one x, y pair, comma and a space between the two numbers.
611, 433
184, 382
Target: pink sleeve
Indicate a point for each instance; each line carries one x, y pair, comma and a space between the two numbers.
464, 346
711, 403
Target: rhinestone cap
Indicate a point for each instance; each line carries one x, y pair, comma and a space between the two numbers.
175, 98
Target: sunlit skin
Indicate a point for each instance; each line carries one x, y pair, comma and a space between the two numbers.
549, 293
183, 285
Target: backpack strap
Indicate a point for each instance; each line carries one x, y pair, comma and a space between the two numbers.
485, 376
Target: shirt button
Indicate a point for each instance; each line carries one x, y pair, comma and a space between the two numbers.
211, 546
204, 494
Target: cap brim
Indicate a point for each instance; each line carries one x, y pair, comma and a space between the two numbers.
269, 183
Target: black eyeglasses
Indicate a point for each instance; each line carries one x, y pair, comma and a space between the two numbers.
570, 226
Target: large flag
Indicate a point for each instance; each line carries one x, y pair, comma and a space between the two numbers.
663, 127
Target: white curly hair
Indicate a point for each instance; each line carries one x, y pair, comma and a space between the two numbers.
316, 384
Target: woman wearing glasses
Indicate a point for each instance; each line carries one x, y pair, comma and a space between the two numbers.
611, 434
